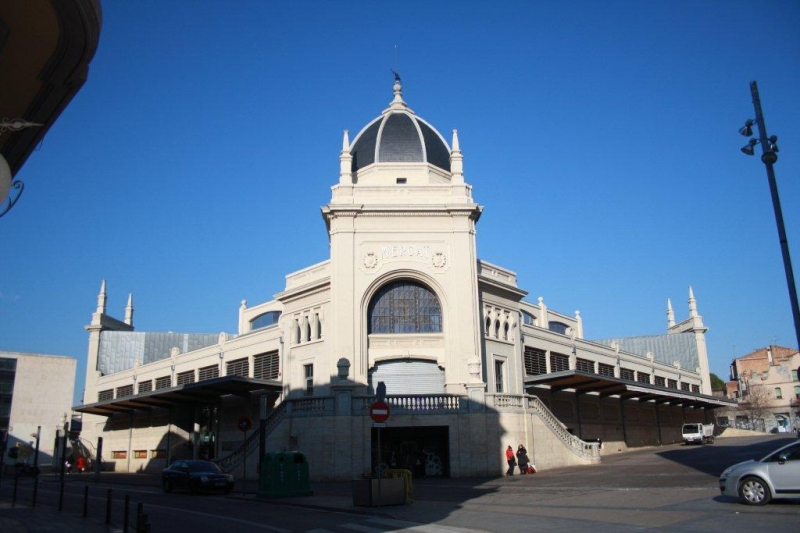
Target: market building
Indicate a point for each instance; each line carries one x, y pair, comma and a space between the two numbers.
470, 365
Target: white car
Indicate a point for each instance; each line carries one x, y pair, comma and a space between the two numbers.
756, 482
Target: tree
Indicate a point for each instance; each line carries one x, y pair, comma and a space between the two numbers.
716, 383
756, 405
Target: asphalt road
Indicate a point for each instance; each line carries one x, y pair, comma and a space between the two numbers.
666, 489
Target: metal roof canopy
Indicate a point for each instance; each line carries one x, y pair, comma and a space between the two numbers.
206, 391
584, 382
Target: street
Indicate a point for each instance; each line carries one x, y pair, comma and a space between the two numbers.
671, 488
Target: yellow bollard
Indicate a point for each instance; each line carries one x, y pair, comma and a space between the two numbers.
406, 475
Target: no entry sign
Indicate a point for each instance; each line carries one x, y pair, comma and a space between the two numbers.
379, 411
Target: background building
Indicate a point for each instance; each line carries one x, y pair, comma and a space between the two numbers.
470, 366
35, 391
765, 385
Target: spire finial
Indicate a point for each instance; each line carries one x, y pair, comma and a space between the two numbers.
692, 303
670, 314
101, 298
129, 311
398, 92
456, 160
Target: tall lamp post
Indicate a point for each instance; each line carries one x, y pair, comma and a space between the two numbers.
769, 148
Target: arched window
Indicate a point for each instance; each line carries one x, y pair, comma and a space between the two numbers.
558, 327
265, 321
404, 307
528, 319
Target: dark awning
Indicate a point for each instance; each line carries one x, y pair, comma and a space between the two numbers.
207, 391
584, 382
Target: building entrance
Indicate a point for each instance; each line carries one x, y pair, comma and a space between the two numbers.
209, 425
425, 451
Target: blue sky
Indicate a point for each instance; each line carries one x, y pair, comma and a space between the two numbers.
601, 137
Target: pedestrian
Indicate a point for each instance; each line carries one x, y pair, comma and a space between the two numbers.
67, 466
522, 459
80, 464
511, 460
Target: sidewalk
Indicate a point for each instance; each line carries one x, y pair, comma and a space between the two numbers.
428, 506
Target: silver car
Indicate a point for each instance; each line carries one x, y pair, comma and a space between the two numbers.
756, 482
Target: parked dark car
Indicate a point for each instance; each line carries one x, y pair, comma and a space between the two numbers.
196, 476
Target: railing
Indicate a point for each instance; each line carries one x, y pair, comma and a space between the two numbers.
420, 404
585, 450
235, 458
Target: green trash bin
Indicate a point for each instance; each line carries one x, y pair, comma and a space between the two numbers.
284, 474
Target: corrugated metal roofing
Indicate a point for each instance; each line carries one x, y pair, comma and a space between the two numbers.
119, 349
665, 348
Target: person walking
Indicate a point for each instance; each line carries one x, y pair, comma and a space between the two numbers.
511, 460
522, 459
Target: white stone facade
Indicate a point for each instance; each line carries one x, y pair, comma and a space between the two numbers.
401, 221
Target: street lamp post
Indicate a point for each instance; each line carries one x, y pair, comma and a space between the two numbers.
769, 147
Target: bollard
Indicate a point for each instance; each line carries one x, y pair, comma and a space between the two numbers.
140, 517
14, 498
126, 513
108, 507
61, 495
85, 501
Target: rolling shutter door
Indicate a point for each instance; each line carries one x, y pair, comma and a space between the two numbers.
408, 377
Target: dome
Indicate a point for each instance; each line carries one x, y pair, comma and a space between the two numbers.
399, 136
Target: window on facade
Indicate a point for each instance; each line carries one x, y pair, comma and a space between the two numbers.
405, 307
660, 381
266, 365
185, 378
528, 319
318, 322
238, 367
119, 455
778, 393
672, 383
797, 393
308, 370
164, 382
605, 370
498, 376
145, 386
505, 331
158, 454
684, 386
125, 390
558, 327
104, 395
584, 365
626, 374
207, 372
140, 454
643, 377
267, 320
535, 363
695, 388
794, 375
558, 362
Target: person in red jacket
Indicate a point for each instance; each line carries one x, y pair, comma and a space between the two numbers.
511, 460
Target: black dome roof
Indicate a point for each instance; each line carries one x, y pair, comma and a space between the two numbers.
399, 136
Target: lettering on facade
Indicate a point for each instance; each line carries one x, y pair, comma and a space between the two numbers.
405, 250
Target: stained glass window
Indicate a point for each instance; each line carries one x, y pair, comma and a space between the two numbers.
405, 307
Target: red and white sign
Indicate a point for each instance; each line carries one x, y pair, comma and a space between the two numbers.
379, 411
